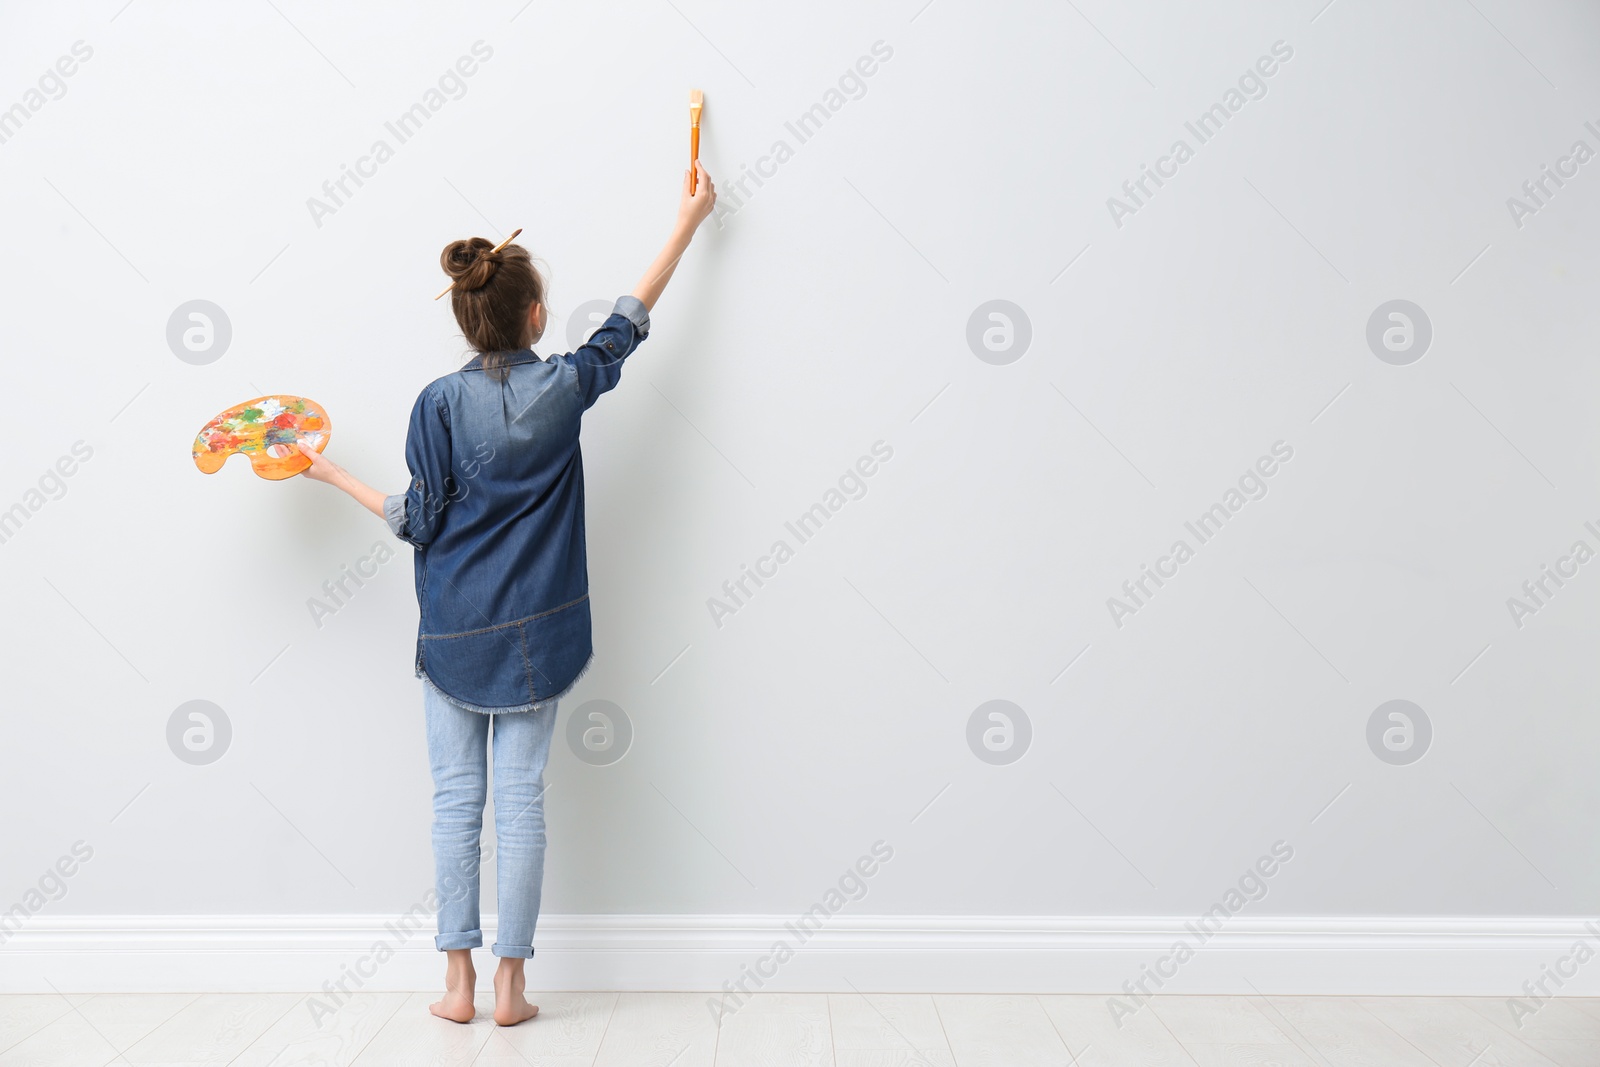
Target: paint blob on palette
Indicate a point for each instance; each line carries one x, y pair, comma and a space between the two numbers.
264, 429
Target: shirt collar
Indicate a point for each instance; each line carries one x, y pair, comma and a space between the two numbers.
526, 355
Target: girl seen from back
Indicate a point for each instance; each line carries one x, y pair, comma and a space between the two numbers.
494, 509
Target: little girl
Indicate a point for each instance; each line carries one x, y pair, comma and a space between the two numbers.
494, 509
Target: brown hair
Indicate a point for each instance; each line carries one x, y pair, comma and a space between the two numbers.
491, 295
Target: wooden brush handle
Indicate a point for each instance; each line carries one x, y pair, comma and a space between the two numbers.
694, 156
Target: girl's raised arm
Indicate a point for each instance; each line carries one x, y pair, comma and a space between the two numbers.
692, 211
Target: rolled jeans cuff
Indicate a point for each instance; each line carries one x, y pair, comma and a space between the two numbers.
464, 939
516, 952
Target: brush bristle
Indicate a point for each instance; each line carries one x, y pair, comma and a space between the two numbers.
697, 99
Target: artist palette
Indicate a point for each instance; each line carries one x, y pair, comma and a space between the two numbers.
264, 429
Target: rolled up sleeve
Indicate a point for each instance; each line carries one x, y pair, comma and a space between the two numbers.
394, 513
634, 310
415, 515
598, 362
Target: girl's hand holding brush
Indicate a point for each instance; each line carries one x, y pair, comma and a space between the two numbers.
692, 211
699, 197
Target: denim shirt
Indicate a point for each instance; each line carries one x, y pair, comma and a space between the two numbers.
495, 511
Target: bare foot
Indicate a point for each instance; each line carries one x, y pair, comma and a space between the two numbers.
510, 1005
460, 983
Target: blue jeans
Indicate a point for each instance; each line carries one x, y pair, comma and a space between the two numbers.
457, 754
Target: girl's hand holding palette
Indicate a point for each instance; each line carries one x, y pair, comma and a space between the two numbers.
266, 429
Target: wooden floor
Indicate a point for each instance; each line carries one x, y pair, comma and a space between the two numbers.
778, 1030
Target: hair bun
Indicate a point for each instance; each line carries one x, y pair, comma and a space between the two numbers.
469, 263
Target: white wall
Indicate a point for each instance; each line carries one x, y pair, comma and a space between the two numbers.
828, 313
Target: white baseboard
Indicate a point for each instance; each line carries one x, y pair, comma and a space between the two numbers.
943, 954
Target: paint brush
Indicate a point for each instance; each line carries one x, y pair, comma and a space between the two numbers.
492, 251
697, 100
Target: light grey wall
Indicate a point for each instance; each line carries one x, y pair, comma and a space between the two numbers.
1171, 347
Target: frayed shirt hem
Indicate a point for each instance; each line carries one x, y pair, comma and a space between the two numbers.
511, 709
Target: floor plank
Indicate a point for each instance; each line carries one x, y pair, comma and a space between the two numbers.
1571, 1053
1558, 1019
1450, 1032
125, 1019
1100, 1039
499, 1052
777, 1030
1000, 1031
879, 1057
1341, 1033
1228, 1032
413, 1038
1588, 1005
658, 1029
568, 1030
309, 1036
68, 1039
213, 1028
94, 1029
27, 1014
1559, 1029
893, 1021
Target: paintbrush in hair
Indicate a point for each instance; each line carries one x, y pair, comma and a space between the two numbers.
492, 251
